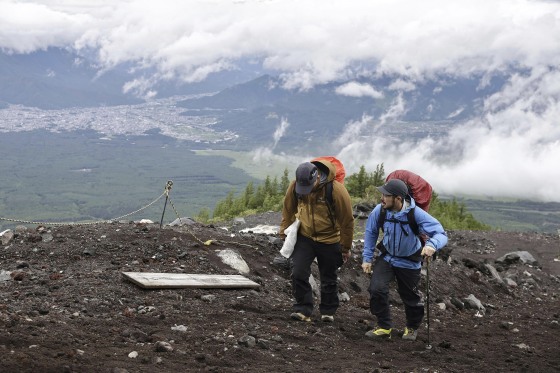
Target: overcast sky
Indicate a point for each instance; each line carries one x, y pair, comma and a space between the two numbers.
512, 148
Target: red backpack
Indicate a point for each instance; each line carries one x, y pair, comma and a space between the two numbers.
418, 188
421, 191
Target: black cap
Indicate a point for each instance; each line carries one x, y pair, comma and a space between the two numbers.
306, 175
394, 187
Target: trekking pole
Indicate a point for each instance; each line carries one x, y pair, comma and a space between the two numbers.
558, 257
166, 191
428, 346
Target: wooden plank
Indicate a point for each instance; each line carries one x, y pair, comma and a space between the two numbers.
149, 280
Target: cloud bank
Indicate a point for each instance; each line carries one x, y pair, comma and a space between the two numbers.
509, 149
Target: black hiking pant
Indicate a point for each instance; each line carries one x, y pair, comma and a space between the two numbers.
329, 259
407, 287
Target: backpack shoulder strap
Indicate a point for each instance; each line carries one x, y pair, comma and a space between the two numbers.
329, 194
330, 201
412, 221
328, 198
381, 220
409, 215
414, 226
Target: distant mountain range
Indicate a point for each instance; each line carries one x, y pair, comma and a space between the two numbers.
57, 79
254, 109
246, 101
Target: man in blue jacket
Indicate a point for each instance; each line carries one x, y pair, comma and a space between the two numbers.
400, 257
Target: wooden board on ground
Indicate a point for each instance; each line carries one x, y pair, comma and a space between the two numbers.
149, 280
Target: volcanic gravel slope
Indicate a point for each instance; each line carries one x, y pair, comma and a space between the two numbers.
66, 307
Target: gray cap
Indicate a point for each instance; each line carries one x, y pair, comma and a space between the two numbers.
394, 187
306, 175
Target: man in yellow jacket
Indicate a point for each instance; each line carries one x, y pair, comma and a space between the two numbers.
325, 233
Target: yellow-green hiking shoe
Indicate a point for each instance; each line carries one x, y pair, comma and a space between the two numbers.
410, 334
379, 333
300, 317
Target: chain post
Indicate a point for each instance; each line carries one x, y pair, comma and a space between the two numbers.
168, 187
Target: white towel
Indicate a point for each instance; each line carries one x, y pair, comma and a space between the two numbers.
291, 238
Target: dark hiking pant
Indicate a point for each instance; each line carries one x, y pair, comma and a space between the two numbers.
407, 286
329, 259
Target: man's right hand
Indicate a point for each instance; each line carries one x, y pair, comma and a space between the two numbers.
366, 267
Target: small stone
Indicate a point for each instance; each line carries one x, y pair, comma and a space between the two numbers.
247, 341
163, 347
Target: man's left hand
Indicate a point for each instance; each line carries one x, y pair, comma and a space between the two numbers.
345, 256
428, 251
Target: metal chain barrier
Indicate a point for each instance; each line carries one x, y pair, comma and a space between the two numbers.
165, 193
84, 223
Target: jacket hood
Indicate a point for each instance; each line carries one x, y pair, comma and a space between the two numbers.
326, 167
411, 205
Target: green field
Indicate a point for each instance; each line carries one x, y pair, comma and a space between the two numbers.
77, 177
515, 215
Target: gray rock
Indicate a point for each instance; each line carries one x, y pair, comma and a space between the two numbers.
247, 341
263, 343
163, 347
508, 325
494, 273
282, 262
276, 241
471, 302
343, 297
5, 275
89, 251
7, 236
233, 259
457, 303
523, 257
208, 297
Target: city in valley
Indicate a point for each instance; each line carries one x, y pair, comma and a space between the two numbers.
109, 121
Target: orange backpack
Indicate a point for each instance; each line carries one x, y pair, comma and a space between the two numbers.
340, 171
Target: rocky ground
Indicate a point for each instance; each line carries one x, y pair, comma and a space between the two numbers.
66, 307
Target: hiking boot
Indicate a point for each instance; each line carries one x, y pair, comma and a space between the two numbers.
410, 334
300, 317
379, 333
327, 318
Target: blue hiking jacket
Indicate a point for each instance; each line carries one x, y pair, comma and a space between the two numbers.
399, 239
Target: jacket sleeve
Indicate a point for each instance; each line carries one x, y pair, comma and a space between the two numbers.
289, 209
432, 228
371, 235
344, 215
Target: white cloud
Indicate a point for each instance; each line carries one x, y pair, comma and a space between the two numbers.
355, 89
191, 38
395, 111
280, 131
509, 149
402, 85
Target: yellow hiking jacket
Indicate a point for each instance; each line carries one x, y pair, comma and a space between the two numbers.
313, 213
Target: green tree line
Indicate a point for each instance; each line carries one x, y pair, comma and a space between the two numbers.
361, 186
